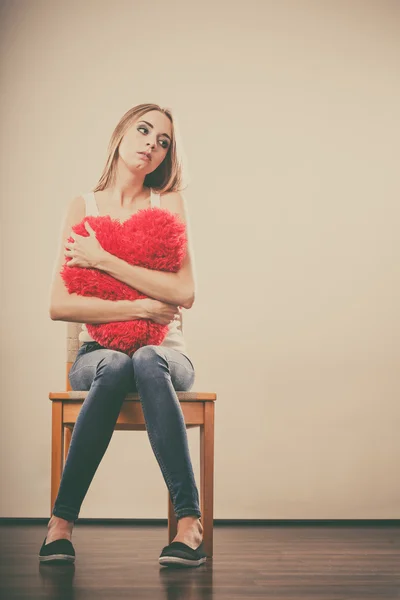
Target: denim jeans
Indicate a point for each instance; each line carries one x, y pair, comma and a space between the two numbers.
154, 372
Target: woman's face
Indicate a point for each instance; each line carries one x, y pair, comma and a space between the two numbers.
152, 134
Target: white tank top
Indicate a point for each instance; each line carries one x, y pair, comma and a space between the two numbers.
174, 338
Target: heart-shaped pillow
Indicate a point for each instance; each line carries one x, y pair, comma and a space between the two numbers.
154, 238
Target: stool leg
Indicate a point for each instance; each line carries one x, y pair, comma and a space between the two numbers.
207, 477
67, 440
172, 521
56, 449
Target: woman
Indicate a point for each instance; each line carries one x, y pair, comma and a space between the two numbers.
142, 159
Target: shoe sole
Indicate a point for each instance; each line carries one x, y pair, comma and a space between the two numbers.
57, 558
184, 562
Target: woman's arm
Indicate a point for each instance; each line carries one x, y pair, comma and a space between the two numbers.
175, 288
82, 309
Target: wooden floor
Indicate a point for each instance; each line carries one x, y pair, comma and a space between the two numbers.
282, 562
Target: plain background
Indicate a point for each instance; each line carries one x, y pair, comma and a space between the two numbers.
289, 116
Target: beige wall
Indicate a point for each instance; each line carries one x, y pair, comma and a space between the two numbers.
289, 112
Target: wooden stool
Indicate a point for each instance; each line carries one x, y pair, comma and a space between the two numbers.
198, 411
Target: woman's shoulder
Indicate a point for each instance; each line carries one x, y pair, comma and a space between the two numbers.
75, 208
174, 202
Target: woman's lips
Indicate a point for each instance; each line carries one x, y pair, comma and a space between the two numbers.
143, 155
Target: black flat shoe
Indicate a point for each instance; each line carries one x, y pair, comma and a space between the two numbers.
180, 554
58, 551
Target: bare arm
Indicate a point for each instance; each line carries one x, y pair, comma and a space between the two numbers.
83, 309
174, 288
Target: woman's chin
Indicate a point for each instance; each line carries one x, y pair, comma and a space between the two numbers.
139, 166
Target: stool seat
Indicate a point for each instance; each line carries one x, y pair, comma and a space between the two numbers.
183, 396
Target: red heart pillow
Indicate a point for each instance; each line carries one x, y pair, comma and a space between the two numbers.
153, 238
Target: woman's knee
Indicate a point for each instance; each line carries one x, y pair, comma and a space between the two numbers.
148, 359
115, 367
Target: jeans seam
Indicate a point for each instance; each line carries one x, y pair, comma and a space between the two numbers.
177, 362
189, 372
76, 370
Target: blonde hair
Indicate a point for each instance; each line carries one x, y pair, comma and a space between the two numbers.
168, 177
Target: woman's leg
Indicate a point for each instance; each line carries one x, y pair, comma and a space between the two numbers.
155, 372
159, 371
108, 375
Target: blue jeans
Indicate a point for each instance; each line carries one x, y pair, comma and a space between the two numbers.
155, 372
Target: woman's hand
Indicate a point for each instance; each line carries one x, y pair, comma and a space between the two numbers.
84, 251
160, 312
